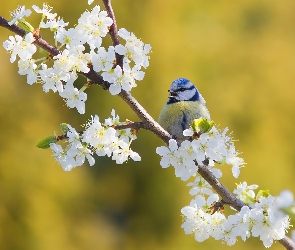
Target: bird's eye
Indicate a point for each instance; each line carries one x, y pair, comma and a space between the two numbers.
182, 89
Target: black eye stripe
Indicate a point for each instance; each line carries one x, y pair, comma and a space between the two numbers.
184, 89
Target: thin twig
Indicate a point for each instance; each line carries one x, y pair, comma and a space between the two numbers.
113, 30
287, 243
133, 125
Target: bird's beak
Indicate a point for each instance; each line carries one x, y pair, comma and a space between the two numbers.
172, 93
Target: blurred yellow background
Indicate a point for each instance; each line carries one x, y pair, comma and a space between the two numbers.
241, 56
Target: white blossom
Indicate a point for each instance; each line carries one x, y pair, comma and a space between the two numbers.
92, 26
134, 48
22, 47
54, 24
66, 161
121, 151
45, 11
73, 135
19, 14
235, 161
118, 80
63, 61
200, 186
28, 67
51, 78
74, 98
133, 74
81, 152
70, 37
98, 135
112, 121
265, 222
168, 154
103, 60
79, 59
245, 193
201, 224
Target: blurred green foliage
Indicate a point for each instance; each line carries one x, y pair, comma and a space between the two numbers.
241, 55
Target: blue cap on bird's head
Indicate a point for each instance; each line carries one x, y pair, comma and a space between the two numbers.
180, 82
182, 90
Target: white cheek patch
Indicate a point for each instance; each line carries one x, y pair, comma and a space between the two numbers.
186, 95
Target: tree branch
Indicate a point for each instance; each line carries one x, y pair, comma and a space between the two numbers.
13, 28
225, 194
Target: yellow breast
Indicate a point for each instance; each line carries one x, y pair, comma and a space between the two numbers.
178, 116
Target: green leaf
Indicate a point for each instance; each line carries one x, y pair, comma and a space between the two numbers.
45, 142
64, 128
202, 125
263, 193
26, 25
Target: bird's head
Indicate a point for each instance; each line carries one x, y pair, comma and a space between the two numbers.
182, 90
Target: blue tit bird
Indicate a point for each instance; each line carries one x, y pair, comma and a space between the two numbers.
184, 104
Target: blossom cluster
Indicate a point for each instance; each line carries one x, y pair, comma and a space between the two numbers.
99, 138
262, 216
215, 146
264, 219
73, 58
